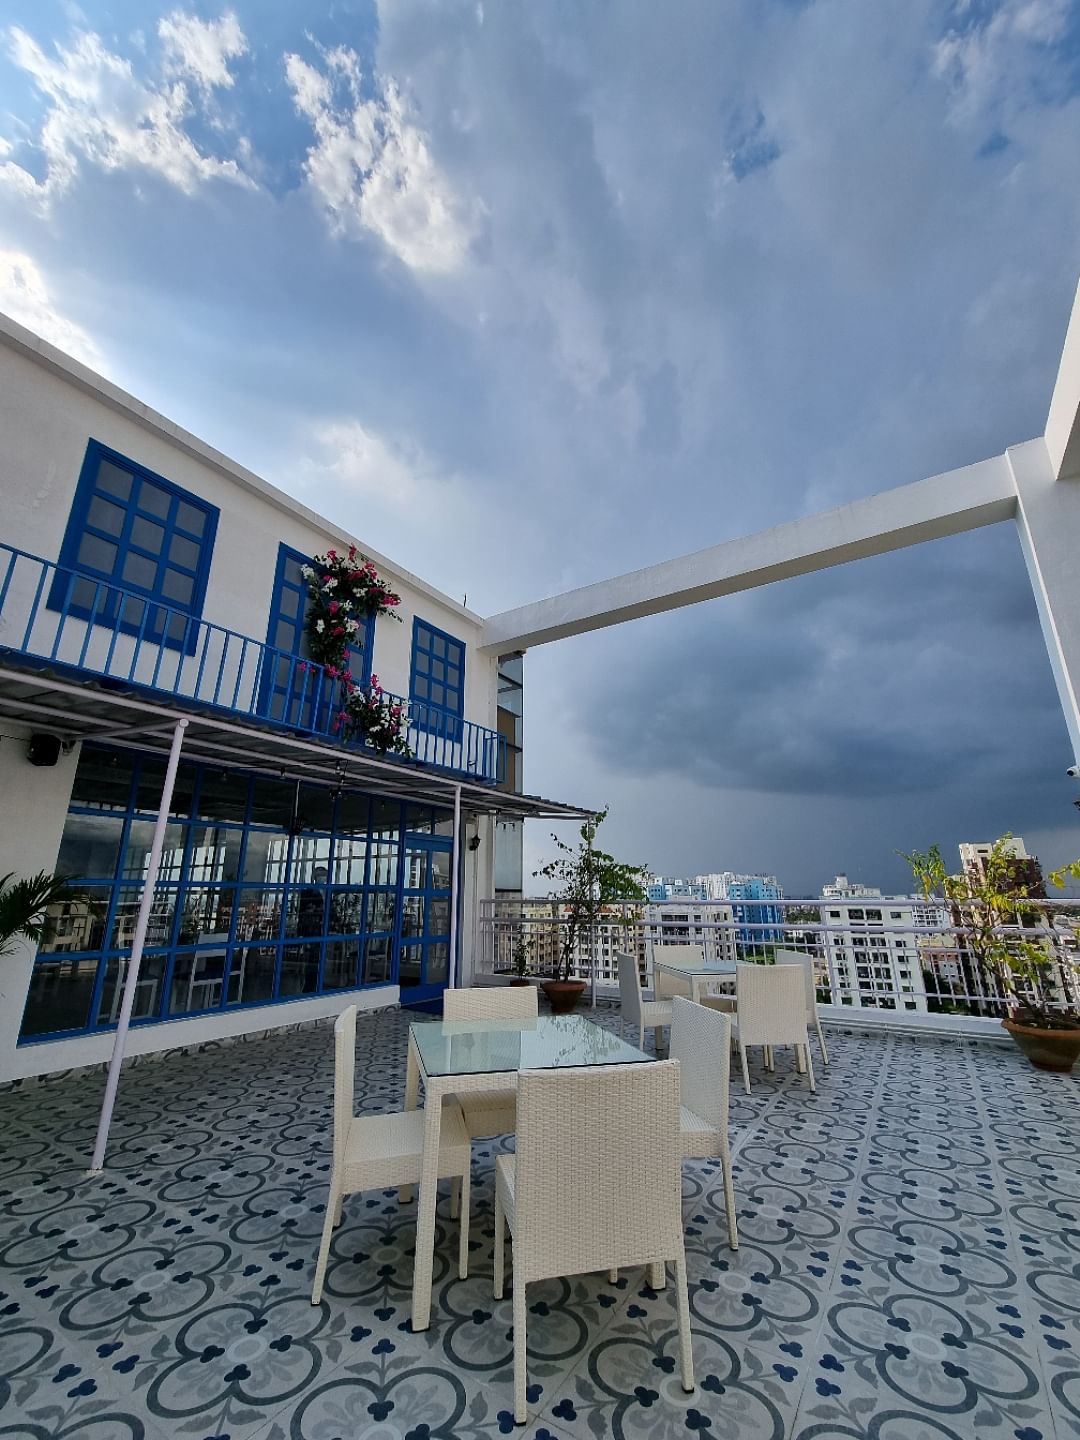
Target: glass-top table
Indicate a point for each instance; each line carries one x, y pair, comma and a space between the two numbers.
699, 977
485, 1047
458, 1056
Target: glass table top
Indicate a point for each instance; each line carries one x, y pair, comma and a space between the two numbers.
550, 1042
711, 967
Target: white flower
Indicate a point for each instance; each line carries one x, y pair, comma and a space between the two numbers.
319, 626
330, 583
306, 571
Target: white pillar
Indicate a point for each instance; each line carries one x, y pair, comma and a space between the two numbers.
1048, 522
451, 974
153, 865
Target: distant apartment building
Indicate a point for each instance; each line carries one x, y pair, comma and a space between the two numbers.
660, 889
760, 925
708, 923
844, 889
872, 952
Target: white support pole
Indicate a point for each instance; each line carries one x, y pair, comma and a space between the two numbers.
451, 976
153, 865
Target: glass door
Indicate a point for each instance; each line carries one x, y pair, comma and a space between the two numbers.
424, 931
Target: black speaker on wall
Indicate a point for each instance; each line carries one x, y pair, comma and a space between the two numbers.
43, 749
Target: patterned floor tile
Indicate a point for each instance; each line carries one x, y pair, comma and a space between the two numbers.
909, 1266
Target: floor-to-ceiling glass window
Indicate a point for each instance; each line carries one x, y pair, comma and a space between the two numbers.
268, 891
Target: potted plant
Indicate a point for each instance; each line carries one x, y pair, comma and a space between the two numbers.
519, 960
586, 880
990, 904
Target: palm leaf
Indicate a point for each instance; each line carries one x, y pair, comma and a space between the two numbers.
24, 906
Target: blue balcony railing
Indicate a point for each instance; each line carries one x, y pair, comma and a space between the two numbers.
60, 617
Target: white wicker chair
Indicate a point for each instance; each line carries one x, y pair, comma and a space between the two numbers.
797, 957
701, 1042
491, 1112
375, 1152
771, 1011
596, 1184
686, 956
635, 1008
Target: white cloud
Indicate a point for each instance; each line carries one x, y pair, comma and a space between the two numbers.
202, 49
989, 63
371, 167
102, 114
25, 297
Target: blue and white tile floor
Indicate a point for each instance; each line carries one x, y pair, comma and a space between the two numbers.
909, 1266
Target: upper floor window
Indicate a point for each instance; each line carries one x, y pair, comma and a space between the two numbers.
289, 692
139, 532
437, 682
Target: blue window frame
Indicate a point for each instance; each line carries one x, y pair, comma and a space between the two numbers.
437, 681
287, 692
133, 529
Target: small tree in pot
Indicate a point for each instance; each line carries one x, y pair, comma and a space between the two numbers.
586, 880
988, 904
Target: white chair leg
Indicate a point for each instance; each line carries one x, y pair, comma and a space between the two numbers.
333, 1206
463, 1227
809, 1066
641, 1036
682, 1304
800, 1065
821, 1040
613, 1277
729, 1199
770, 1061
656, 1276
500, 1244
455, 1197
745, 1069
337, 1212
521, 1413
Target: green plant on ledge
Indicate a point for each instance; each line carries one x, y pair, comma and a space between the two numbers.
24, 907
985, 904
586, 881
520, 957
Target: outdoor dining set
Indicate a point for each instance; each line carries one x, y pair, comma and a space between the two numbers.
601, 1127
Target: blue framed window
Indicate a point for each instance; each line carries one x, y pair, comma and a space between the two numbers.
268, 893
288, 692
437, 681
135, 530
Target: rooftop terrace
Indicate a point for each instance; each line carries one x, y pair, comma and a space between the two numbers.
909, 1266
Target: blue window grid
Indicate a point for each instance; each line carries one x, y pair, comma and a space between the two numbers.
286, 692
437, 681
156, 528
176, 952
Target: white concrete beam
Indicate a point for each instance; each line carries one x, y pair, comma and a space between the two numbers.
1063, 422
1048, 522
947, 504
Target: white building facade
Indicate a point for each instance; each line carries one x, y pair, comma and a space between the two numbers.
872, 953
146, 580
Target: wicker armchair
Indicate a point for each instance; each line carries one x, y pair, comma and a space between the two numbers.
374, 1152
771, 1011
491, 1112
601, 1192
635, 1008
701, 1042
797, 957
665, 985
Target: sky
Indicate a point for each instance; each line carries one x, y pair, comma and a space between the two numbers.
527, 296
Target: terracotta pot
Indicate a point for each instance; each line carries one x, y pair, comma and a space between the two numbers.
563, 995
1046, 1049
521, 980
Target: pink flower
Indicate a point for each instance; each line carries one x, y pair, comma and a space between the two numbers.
393, 599
332, 670
334, 607
352, 552
331, 554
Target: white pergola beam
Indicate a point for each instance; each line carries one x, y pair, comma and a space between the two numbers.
1063, 421
947, 504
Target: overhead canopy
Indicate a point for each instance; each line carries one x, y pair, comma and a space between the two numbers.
90, 710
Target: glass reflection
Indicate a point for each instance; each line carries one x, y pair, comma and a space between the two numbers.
197, 981
147, 988
59, 996
251, 974
77, 923
376, 961
339, 968
299, 970
90, 847
259, 914
126, 913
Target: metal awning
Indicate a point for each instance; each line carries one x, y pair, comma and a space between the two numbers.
121, 715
